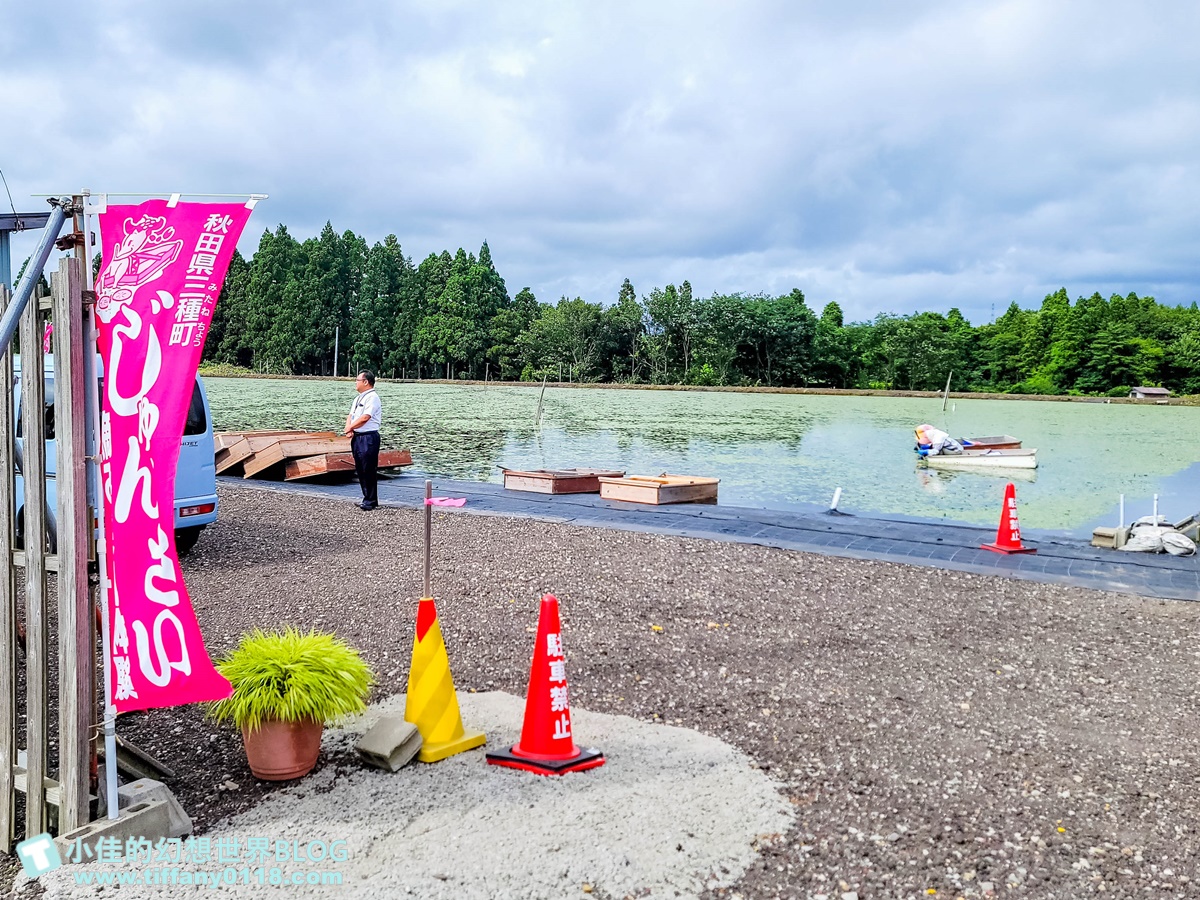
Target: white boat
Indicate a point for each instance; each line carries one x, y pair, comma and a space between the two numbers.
984, 459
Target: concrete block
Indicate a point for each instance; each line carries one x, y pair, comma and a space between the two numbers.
150, 820
390, 743
146, 789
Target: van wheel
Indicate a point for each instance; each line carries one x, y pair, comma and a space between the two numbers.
185, 539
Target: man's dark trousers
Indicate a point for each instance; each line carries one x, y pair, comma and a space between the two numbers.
365, 447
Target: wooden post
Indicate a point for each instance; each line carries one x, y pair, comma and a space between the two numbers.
8, 604
75, 647
33, 406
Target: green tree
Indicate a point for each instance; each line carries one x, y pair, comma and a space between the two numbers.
275, 267
567, 335
386, 288
227, 331
624, 326
1118, 359
1185, 358
831, 349
507, 327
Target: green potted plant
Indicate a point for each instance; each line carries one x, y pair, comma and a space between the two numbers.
286, 686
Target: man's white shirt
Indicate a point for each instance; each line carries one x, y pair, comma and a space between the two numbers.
367, 403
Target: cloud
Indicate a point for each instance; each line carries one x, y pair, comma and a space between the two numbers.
887, 157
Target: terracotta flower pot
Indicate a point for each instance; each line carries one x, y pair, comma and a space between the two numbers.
280, 751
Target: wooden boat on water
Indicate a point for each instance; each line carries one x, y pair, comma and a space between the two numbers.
984, 459
660, 489
557, 481
927, 436
992, 442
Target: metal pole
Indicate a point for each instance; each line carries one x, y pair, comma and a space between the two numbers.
947, 394
336, 329
5, 260
92, 375
428, 536
12, 314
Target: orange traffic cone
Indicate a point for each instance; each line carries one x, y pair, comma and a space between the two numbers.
1008, 535
546, 746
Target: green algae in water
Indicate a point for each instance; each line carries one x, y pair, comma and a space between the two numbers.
773, 451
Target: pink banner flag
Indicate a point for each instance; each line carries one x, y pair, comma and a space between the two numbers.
162, 273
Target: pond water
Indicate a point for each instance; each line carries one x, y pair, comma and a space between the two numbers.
773, 451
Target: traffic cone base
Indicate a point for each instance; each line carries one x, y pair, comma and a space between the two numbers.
431, 703
996, 548
435, 752
1008, 534
585, 758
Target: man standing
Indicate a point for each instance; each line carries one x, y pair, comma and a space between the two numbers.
362, 426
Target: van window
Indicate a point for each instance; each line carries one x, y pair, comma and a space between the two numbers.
197, 421
48, 423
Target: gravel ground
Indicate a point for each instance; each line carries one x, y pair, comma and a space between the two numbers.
448, 831
937, 733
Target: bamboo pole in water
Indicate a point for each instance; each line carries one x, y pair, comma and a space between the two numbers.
537, 416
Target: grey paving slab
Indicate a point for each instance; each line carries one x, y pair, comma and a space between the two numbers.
945, 545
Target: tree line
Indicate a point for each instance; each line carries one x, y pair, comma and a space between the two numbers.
451, 316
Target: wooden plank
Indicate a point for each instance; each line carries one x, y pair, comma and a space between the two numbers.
18, 560
8, 604
660, 490
321, 464
51, 788
134, 762
33, 398
698, 492
392, 459
263, 441
330, 463
263, 460
75, 647
277, 452
233, 455
223, 439
230, 436
310, 446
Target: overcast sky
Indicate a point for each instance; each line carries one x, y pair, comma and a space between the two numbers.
889, 156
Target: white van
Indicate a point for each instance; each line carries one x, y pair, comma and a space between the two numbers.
195, 474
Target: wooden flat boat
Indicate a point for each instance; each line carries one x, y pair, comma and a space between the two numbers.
329, 463
660, 489
557, 481
983, 459
992, 442
291, 455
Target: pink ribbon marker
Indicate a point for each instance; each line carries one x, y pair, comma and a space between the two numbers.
446, 501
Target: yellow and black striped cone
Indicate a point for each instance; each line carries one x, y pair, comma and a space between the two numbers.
431, 703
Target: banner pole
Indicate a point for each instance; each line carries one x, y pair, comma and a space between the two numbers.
428, 537
91, 355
